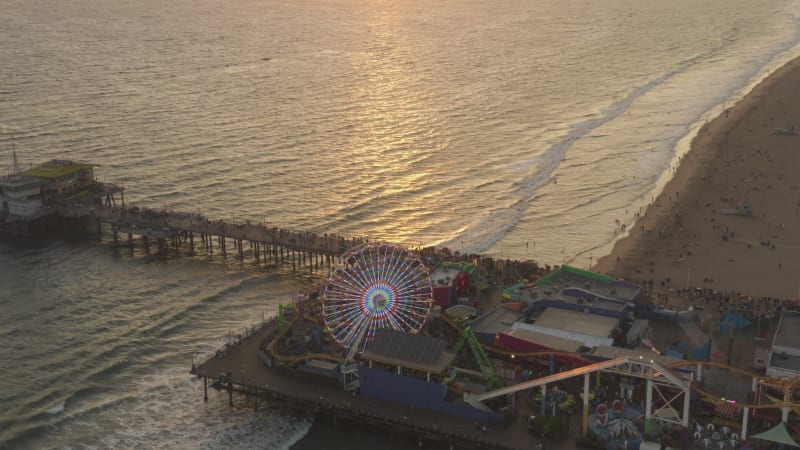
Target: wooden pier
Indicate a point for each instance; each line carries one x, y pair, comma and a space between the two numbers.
239, 372
172, 229
65, 196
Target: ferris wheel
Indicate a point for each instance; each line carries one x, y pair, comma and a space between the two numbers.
376, 286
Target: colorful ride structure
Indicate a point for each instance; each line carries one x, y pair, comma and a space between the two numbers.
376, 286
487, 368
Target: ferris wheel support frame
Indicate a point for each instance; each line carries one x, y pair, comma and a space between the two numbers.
376, 286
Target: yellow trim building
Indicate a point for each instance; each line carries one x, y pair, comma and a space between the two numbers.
59, 176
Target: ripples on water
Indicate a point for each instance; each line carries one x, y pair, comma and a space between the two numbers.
410, 122
97, 347
522, 129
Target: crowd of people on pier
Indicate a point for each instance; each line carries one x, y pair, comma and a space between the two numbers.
245, 229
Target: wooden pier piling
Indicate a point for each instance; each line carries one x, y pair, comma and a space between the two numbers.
292, 390
272, 245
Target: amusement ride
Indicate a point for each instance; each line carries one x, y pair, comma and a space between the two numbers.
378, 285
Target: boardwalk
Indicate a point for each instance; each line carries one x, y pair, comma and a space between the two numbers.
239, 370
174, 226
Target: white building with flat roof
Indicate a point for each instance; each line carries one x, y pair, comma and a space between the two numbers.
784, 358
589, 329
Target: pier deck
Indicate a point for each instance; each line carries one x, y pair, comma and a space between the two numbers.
288, 388
165, 227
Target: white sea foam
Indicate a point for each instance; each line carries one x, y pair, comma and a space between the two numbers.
57, 409
409, 124
170, 413
487, 230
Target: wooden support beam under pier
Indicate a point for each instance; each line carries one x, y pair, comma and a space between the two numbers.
270, 244
238, 368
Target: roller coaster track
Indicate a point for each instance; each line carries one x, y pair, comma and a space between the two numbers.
775, 382
787, 385
499, 351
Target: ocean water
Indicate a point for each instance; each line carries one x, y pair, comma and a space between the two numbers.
520, 129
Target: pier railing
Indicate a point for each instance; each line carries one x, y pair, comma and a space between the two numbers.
163, 224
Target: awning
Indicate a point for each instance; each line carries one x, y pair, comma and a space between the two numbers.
777, 434
724, 408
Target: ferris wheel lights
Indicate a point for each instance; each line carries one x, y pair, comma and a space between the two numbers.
376, 286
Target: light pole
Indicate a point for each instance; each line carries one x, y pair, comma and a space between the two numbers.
688, 269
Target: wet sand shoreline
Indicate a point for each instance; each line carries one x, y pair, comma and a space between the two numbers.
729, 219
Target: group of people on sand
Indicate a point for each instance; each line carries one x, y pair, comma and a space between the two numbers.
727, 301
735, 301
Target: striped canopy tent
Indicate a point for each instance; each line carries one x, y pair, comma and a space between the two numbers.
778, 434
726, 408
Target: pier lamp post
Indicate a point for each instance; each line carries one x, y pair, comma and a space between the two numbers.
688, 271
730, 344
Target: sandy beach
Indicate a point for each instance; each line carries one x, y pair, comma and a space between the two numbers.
729, 219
